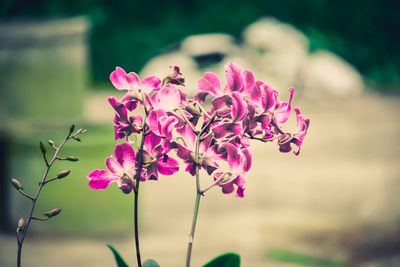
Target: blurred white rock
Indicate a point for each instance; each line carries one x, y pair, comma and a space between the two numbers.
326, 74
276, 52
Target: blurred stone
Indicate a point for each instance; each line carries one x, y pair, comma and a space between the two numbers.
208, 44
327, 74
276, 52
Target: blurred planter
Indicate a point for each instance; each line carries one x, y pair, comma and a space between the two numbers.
43, 69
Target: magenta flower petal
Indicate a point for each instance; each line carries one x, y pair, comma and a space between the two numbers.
150, 84
231, 154
239, 107
210, 83
125, 155
234, 77
222, 105
151, 142
153, 121
188, 136
119, 108
201, 96
168, 98
282, 112
227, 128
113, 166
123, 81
101, 179
249, 81
167, 165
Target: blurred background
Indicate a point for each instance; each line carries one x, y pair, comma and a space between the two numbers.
334, 205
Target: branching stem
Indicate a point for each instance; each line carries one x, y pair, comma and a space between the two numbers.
22, 234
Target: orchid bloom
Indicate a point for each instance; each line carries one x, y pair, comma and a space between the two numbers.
241, 109
131, 82
156, 160
121, 170
297, 137
124, 125
186, 151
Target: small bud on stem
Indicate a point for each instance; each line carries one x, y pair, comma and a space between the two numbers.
71, 130
63, 174
52, 213
71, 158
16, 184
42, 148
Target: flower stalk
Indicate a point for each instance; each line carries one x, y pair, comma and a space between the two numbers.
136, 192
197, 203
23, 226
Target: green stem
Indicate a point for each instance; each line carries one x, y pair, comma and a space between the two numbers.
21, 237
196, 205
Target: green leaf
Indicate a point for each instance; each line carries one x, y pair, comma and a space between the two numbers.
225, 260
120, 261
280, 255
150, 263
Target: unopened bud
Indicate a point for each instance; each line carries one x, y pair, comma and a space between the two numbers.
83, 131
70, 158
51, 142
63, 174
77, 139
72, 129
42, 147
16, 184
52, 213
21, 225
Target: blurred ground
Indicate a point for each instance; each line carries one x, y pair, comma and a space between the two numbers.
338, 200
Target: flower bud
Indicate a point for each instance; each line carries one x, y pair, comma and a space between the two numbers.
70, 158
21, 225
63, 174
42, 147
52, 213
16, 184
51, 142
72, 128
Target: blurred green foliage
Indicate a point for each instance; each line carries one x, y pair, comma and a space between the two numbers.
128, 33
284, 256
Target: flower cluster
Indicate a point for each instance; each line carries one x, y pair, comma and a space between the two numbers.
211, 130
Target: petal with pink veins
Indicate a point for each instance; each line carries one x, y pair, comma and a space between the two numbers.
234, 77
167, 165
210, 83
125, 155
101, 179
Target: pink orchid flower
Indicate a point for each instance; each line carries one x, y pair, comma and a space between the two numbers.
120, 170
186, 151
124, 125
156, 160
297, 137
131, 82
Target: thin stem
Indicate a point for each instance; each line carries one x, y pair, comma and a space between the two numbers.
136, 192
21, 237
202, 109
212, 185
186, 119
196, 205
25, 194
